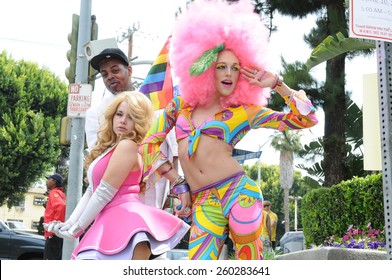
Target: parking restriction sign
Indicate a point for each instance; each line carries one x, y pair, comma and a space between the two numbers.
79, 100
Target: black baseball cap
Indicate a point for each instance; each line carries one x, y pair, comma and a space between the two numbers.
55, 176
109, 53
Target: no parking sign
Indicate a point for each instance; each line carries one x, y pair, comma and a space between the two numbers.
79, 100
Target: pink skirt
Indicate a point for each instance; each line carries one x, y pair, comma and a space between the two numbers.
125, 222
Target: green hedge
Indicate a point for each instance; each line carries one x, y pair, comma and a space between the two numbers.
330, 211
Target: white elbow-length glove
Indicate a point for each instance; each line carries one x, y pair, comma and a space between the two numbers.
102, 196
56, 226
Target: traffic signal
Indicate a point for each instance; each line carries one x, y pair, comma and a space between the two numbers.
70, 72
65, 131
92, 73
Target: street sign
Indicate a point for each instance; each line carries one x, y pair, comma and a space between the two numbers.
371, 19
79, 100
242, 155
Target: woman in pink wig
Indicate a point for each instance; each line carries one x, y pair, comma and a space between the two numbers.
219, 52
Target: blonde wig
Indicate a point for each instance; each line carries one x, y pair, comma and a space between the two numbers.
140, 110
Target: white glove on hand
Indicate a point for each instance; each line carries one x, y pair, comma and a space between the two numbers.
102, 196
65, 235
57, 226
49, 226
53, 226
78, 211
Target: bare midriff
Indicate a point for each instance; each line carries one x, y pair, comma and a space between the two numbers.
211, 162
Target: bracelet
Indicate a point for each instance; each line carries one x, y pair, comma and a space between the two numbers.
177, 181
260, 75
167, 171
291, 97
278, 81
181, 188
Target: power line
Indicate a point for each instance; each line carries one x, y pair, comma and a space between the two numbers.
32, 42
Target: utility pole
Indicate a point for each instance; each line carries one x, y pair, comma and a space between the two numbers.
75, 175
129, 35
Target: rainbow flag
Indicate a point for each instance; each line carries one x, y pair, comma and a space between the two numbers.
158, 85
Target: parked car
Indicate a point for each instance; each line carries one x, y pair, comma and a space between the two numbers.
292, 241
19, 226
17, 245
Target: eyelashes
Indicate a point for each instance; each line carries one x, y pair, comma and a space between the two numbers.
223, 66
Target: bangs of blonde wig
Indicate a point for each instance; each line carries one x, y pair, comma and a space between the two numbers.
207, 24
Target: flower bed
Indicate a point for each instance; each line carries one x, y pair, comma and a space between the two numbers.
359, 239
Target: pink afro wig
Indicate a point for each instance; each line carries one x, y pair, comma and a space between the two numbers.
207, 24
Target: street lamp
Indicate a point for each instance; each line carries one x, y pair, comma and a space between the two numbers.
295, 198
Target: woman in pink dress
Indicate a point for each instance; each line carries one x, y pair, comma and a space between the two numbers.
123, 228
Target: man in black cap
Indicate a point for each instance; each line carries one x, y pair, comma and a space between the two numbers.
54, 211
116, 73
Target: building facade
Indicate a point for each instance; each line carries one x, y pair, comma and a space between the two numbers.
29, 211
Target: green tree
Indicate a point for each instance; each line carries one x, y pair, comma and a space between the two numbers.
32, 100
332, 19
272, 191
313, 151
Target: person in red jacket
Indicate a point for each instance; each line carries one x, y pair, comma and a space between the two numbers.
54, 211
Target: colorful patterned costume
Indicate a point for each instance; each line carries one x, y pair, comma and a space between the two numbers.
125, 221
219, 205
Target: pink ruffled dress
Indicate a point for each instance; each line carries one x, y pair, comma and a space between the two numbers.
125, 221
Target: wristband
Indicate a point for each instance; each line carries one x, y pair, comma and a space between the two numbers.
177, 181
278, 81
290, 98
167, 171
181, 188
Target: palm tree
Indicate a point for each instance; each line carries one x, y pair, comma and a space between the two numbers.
332, 19
288, 144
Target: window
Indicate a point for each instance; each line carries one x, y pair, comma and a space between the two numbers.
39, 200
34, 224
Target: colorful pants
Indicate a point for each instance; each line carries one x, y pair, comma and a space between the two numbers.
231, 205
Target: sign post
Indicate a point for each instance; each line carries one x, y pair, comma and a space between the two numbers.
75, 174
372, 19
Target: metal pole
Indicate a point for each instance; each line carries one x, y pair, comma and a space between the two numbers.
295, 214
258, 169
75, 175
384, 64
